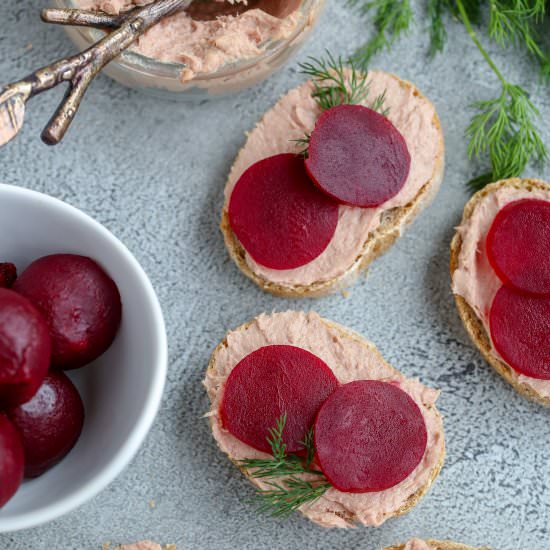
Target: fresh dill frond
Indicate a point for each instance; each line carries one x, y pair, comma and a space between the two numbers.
436, 10
515, 23
304, 142
504, 128
335, 82
290, 492
390, 18
286, 497
339, 82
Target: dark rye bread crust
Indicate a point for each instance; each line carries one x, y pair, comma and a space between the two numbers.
440, 545
471, 321
370, 348
392, 224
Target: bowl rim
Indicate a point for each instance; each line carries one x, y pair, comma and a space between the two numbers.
151, 404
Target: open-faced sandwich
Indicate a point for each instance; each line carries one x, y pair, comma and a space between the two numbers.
320, 423
417, 544
329, 178
500, 269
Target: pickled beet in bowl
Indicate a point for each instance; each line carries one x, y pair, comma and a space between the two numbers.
122, 389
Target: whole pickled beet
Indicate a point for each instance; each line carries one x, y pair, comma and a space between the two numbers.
8, 274
11, 460
80, 303
50, 423
25, 349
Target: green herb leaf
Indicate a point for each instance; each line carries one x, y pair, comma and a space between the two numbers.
504, 128
286, 497
291, 492
335, 82
391, 18
438, 33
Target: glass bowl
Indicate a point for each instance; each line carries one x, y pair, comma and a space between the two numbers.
163, 79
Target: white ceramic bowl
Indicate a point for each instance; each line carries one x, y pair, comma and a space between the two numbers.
122, 390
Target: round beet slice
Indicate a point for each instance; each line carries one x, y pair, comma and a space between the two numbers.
357, 156
80, 303
25, 349
11, 460
369, 436
280, 218
518, 246
50, 423
269, 383
520, 331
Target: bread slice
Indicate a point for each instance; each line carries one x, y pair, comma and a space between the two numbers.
474, 325
345, 334
439, 545
393, 222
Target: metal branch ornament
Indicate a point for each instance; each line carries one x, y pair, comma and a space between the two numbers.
78, 70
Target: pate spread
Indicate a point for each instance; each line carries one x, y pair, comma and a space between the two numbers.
294, 116
206, 45
474, 279
350, 358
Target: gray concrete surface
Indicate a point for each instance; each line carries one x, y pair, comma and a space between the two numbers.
153, 173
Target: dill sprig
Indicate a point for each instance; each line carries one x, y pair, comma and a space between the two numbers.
283, 499
504, 128
335, 82
390, 18
291, 492
515, 23
436, 10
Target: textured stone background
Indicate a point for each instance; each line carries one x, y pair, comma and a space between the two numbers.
153, 173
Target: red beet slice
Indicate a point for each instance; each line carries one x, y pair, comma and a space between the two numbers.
50, 423
518, 246
279, 217
270, 382
8, 274
520, 331
357, 156
369, 436
25, 349
11, 460
80, 302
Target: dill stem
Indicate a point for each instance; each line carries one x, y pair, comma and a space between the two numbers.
473, 36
